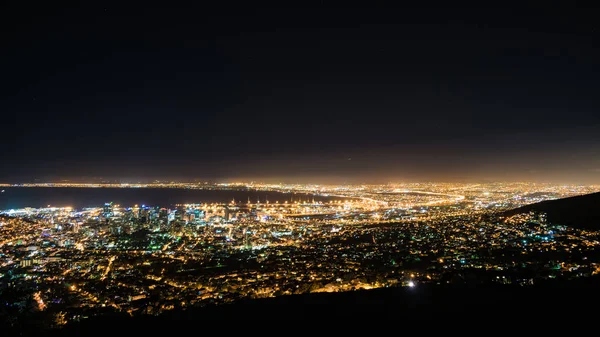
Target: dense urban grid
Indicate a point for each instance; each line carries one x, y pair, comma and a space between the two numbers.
147, 259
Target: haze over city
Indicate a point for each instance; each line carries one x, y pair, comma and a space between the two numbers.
306, 94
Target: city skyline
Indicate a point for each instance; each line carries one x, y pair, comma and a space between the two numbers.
75, 255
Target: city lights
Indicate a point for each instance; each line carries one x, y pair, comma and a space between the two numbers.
148, 259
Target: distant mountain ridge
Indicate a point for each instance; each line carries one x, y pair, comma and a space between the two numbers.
582, 211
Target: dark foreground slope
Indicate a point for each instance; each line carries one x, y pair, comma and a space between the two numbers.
579, 212
567, 299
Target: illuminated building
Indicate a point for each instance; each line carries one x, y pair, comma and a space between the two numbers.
107, 211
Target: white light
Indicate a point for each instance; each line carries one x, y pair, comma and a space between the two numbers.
411, 284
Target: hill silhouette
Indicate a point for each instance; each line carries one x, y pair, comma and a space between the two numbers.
582, 211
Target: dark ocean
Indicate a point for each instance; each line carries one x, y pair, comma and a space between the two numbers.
19, 197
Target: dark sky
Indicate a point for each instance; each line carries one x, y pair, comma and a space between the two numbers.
300, 94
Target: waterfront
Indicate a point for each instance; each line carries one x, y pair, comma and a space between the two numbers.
20, 197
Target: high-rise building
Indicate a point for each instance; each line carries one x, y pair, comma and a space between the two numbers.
163, 215
107, 211
226, 213
116, 230
247, 240
179, 214
199, 214
144, 215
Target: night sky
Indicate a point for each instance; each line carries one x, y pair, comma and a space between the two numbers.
317, 94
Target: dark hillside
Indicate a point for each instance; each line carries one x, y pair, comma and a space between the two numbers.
579, 212
569, 299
